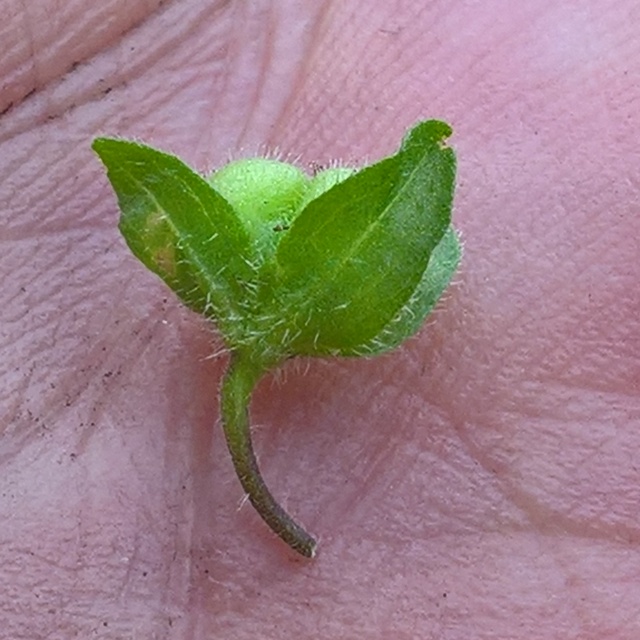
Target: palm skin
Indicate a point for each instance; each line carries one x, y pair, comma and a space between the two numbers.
480, 482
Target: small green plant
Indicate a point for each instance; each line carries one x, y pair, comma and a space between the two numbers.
344, 263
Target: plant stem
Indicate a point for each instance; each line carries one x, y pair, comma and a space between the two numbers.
238, 384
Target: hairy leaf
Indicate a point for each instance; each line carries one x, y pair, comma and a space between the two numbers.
181, 229
354, 256
442, 265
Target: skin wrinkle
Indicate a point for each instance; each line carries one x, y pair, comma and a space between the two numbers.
53, 51
264, 59
281, 61
29, 37
116, 67
313, 29
547, 397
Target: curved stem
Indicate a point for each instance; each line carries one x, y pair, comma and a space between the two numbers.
237, 386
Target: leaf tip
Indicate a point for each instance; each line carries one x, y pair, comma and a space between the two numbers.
428, 131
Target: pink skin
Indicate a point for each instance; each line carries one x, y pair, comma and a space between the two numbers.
481, 482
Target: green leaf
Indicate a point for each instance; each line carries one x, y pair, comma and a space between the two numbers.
355, 255
183, 230
443, 263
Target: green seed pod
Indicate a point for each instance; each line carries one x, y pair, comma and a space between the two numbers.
265, 193
325, 180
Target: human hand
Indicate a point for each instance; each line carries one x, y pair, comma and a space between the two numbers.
477, 483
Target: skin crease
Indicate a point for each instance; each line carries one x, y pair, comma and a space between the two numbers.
478, 483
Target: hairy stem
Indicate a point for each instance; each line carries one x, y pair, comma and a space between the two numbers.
237, 386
